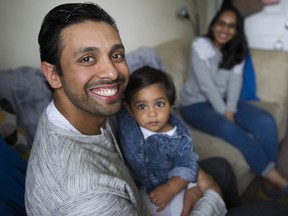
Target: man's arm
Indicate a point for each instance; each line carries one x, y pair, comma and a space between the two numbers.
100, 202
204, 183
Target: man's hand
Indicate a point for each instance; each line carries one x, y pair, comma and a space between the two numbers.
191, 197
204, 182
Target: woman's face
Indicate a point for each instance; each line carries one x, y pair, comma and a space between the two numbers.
224, 28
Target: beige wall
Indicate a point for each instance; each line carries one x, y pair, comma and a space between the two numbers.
141, 22
206, 11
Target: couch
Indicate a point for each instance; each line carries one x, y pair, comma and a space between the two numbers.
27, 95
271, 70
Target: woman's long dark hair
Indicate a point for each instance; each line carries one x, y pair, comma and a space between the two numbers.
235, 50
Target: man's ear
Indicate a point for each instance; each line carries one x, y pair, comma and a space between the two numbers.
51, 75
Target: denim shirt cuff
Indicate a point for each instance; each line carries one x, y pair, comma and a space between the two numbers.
268, 169
184, 173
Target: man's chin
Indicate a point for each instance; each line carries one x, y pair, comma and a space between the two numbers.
111, 109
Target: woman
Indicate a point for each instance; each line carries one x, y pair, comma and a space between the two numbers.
210, 97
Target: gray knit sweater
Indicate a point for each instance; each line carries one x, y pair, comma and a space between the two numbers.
74, 174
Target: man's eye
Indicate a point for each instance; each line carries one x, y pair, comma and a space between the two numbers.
160, 104
118, 57
141, 107
87, 59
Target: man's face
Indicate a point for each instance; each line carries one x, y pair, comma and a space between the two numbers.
94, 68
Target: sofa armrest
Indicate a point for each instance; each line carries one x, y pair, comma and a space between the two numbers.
174, 55
271, 68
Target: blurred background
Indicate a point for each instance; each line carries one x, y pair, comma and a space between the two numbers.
141, 23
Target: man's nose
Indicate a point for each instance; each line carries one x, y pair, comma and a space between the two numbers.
107, 69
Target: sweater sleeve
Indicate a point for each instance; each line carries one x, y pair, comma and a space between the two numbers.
202, 53
98, 202
210, 204
234, 87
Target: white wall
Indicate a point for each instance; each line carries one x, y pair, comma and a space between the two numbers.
207, 10
141, 23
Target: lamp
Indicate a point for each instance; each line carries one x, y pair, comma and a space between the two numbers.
183, 13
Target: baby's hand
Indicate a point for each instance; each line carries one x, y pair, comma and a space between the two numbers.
161, 196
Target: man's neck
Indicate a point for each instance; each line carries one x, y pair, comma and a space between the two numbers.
86, 123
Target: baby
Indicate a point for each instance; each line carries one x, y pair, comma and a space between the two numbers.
156, 145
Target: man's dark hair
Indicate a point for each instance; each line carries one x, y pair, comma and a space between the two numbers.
146, 76
61, 17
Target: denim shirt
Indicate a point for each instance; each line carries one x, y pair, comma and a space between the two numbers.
158, 158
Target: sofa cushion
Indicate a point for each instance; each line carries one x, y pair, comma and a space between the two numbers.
209, 146
175, 56
279, 112
271, 67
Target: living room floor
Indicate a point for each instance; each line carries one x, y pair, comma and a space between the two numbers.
254, 193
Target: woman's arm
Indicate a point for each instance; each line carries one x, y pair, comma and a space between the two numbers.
234, 87
205, 62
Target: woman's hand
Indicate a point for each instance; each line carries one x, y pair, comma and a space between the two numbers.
204, 182
229, 116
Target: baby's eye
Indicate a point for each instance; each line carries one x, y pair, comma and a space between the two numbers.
160, 103
141, 107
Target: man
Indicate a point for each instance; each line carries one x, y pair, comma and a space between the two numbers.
75, 166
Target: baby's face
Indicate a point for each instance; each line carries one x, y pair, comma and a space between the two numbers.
151, 108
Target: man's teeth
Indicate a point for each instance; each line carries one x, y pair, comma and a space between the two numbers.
107, 92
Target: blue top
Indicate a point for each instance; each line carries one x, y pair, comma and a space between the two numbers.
160, 157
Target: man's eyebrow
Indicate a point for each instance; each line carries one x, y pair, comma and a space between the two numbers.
85, 50
118, 46
96, 49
